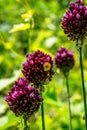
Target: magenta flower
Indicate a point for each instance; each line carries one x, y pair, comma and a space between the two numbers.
74, 21
23, 99
64, 60
38, 68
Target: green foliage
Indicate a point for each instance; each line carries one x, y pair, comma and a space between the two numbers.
38, 26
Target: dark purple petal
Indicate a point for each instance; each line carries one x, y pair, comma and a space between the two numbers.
74, 22
23, 99
64, 59
36, 71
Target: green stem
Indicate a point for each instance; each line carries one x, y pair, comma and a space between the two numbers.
25, 124
42, 115
83, 86
69, 105
29, 42
29, 31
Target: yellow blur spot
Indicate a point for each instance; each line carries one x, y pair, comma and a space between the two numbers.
47, 20
47, 66
59, 90
28, 15
8, 45
85, 63
1, 59
85, 76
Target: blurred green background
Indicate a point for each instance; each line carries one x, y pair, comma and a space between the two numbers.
28, 25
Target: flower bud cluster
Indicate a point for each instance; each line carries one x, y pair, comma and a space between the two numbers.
64, 60
38, 68
74, 21
23, 99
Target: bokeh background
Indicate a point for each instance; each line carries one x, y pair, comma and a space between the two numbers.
28, 25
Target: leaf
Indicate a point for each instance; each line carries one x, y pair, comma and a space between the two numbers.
19, 27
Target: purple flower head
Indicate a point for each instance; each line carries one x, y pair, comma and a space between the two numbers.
74, 21
64, 60
23, 99
38, 68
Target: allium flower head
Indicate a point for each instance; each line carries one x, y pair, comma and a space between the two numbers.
64, 60
74, 21
23, 99
38, 68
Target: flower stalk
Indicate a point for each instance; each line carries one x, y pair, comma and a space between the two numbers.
29, 37
69, 104
64, 60
42, 115
82, 77
25, 124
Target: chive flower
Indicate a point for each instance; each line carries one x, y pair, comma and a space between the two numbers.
38, 68
64, 60
74, 21
23, 99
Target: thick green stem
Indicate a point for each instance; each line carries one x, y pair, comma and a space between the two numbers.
25, 124
83, 86
42, 115
69, 105
29, 33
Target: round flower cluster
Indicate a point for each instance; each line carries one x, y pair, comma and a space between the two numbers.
23, 99
64, 60
38, 68
74, 21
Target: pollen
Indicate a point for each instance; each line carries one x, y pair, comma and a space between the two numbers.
46, 66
